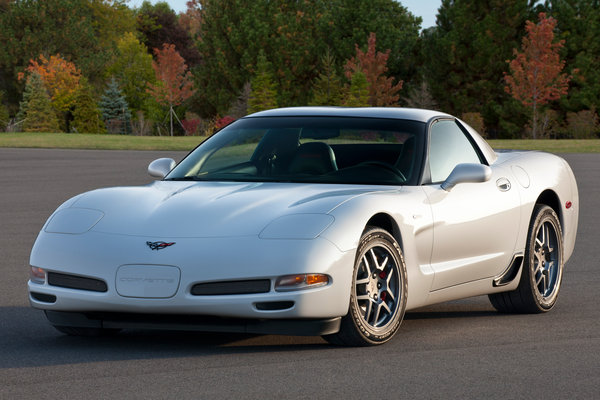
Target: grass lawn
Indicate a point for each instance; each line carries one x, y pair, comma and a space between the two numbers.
126, 142
98, 142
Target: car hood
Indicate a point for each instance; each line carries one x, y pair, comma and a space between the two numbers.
210, 209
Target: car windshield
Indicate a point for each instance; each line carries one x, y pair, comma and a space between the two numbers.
347, 150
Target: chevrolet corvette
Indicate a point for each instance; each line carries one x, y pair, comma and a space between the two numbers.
312, 221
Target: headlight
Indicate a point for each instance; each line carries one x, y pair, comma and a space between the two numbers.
301, 281
37, 275
73, 220
297, 226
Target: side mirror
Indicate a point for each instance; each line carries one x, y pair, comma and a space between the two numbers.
464, 173
161, 167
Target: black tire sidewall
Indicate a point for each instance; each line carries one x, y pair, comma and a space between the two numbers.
542, 214
370, 238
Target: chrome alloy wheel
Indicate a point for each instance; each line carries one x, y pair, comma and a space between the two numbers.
377, 286
378, 293
546, 259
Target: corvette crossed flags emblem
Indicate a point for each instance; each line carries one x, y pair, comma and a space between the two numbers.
159, 245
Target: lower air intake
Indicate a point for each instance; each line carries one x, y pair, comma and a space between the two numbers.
232, 287
76, 282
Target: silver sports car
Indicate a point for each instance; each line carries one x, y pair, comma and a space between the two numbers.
312, 221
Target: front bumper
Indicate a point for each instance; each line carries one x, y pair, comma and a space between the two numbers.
199, 260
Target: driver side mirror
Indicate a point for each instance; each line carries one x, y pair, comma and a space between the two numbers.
161, 167
464, 173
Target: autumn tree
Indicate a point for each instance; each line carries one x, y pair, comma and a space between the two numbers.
174, 81
36, 111
535, 73
132, 68
158, 24
82, 31
382, 91
191, 19
61, 79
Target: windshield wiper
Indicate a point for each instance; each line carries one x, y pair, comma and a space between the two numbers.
183, 178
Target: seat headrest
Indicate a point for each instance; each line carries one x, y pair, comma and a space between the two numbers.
315, 158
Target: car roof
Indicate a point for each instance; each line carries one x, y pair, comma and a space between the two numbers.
413, 114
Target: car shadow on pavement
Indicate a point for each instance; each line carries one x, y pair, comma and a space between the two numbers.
28, 340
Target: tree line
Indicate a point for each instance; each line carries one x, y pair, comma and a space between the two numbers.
510, 68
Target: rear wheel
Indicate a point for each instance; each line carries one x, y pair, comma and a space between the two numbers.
542, 270
378, 295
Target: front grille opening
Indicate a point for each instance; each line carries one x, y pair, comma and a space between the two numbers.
76, 282
274, 305
44, 298
232, 287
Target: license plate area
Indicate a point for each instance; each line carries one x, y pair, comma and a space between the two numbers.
148, 281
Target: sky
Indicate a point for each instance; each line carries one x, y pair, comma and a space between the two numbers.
426, 9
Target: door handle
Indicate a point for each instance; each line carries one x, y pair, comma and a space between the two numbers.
503, 184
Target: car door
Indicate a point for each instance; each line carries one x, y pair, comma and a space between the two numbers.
475, 224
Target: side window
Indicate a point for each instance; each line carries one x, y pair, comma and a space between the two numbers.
448, 147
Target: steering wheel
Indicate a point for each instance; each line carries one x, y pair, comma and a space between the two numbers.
386, 166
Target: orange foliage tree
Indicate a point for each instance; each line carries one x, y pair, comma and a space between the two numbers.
372, 63
535, 73
174, 80
61, 78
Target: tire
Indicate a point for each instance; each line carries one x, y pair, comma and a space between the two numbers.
378, 293
542, 270
90, 332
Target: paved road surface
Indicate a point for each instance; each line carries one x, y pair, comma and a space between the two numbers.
460, 349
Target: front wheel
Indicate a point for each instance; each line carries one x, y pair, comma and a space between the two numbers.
378, 293
542, 270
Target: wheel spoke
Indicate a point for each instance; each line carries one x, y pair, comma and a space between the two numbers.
390, 294
544, 233
362, 281
363, 297
538, 267
366, 264
368, 310
538, 242
377, 312
387, 308
389, 277
538, 280
383, 263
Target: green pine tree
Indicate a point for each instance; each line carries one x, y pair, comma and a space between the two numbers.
115, 111
38, 114
327, 89
358, 91
86, 115
4, 116
263, 95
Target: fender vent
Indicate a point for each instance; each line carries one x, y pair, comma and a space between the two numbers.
232, 287
510, 273
76, 282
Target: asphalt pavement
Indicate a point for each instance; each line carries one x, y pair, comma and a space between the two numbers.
461, 349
